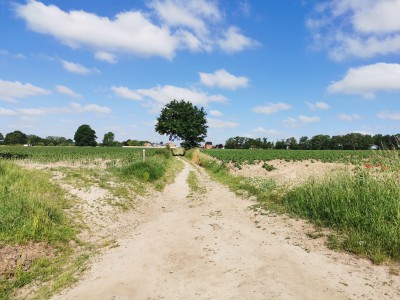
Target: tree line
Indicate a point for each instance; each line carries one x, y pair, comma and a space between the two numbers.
351, 141
84, 136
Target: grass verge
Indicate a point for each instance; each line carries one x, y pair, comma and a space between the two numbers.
363, 207
31, 212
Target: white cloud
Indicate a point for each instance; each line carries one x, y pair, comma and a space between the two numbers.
93, 108
290, 122
234, 41
161, 95
215, 113
106, 56
301, 120
75, 68
318, 105
166, 27
72, 108
306, 119
189, 14
389, 115
357, 28
369, 79
126, 93
216, 123
10, 91
348, 118
7, 112
129, 32
67, 91
271, 108
223, 79
267, 131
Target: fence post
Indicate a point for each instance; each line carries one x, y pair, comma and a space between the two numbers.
144, 155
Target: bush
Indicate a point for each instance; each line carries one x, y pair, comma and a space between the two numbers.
146, 171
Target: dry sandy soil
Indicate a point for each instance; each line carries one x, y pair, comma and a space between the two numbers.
211, 245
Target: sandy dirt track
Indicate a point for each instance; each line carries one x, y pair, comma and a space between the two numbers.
210, 245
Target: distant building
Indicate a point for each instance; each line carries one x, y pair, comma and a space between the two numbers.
170, 145
147, 145
208, 145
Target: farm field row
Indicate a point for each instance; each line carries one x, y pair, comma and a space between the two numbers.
251, 156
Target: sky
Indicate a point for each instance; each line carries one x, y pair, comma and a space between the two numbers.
260, 68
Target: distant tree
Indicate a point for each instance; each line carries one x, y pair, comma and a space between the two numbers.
35, 140
320, 142
183, 121
85, 136
1, 136
108, 139
291, 143
280, 144
15, 138
69, 142
304, 143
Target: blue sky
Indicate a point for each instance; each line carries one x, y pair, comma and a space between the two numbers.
260, 68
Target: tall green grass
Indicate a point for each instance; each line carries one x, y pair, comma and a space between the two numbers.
364, 207
31, 208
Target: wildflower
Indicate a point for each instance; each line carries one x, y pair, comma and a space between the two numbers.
384, 168
379, 165
369, 166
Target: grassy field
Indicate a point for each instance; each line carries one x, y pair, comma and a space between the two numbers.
362, 207
37, 217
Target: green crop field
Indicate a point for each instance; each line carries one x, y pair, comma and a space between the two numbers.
250, 156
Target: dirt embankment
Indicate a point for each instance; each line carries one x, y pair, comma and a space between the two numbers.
211, 245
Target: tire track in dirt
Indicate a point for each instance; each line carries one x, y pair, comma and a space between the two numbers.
209, 247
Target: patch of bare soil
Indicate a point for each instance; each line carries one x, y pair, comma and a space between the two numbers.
293, 172
211, 245
22, 256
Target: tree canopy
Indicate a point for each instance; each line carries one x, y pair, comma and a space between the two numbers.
183, 121
108, 139
15, 138
85, 136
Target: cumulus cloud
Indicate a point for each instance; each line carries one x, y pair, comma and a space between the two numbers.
91, 108
161, 95
235, 41
271, 108
67, 91
12, 90
363, 28
216, 123
267, 131
348, 118
75, 68
164, 28
300, 120
389, 115
223, 79
369, 79
106, 56
318, 105
215, 113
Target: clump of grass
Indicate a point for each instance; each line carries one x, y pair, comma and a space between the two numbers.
150, 170
268, 167
364, 206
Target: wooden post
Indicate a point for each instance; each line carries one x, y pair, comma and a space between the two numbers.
144, 155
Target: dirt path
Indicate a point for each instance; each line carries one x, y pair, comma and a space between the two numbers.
212, 246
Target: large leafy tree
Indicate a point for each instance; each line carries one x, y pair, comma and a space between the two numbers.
85, 136
108, 139
183, 121
15, 138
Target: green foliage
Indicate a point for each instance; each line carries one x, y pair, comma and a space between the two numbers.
149, 170
15, 138
85, 136
252, 156
363, 206
30, 207
108, 140
268, 167
181, 120
240, 142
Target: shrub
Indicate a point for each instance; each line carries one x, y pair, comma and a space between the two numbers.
149, 170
